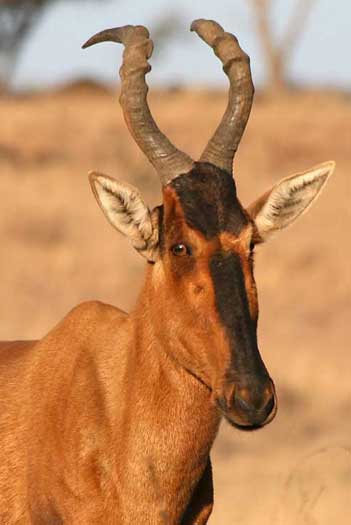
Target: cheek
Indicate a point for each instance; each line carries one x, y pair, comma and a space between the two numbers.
182, 268
198, 288
199, 296
194, 295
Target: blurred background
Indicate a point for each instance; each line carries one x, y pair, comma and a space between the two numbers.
60, 117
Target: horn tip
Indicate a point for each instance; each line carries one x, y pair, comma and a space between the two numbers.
86, 44
95, 39
195, 24
201, 23
120, 35
107, 35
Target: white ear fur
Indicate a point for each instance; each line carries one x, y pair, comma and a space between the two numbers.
125, 209
289, 199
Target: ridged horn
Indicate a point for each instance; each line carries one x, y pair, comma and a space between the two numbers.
222, 147
168, 161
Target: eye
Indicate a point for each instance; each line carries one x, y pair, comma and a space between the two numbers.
180, 250
252, 246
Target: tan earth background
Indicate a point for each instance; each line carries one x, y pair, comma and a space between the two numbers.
57, 250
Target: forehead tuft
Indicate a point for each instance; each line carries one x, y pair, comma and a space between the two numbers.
209, 202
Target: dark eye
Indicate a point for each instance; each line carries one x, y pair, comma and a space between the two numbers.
180, 250
252, 246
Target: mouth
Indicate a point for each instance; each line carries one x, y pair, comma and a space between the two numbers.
249, 427
245, 418
243, 428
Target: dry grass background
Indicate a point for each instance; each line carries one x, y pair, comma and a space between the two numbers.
58, 250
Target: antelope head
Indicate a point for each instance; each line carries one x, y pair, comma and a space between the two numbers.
200, 242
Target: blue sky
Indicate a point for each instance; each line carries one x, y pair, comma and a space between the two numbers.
54, 55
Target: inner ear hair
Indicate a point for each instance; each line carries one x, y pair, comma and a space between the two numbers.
286, 201
126, 211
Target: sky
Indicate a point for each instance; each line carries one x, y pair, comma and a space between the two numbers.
53, 54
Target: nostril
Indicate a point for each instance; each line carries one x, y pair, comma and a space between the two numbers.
269, 406
242, 405
254, 404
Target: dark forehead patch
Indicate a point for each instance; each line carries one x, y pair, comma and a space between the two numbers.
209, 202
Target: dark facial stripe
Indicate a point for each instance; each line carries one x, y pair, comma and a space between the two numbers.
209, 202
161, 227
233, 309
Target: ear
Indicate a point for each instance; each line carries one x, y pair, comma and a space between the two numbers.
126, 211
287, 200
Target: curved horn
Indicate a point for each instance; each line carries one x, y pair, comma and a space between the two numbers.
222, 147
168, 161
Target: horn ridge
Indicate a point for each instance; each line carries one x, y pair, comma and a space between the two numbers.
168, 161
223, 145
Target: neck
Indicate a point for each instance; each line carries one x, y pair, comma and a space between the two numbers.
163, 373
172, 422
155, 348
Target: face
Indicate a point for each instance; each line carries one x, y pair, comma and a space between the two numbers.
201, 245
205, 273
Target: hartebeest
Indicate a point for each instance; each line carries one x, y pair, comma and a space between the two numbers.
110, 418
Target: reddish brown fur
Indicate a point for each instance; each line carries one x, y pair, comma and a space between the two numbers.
110, 418
91, 411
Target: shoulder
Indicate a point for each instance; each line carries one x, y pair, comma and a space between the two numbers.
89, 317
96, 309
90, 311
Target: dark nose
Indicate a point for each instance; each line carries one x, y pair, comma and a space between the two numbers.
255, 405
